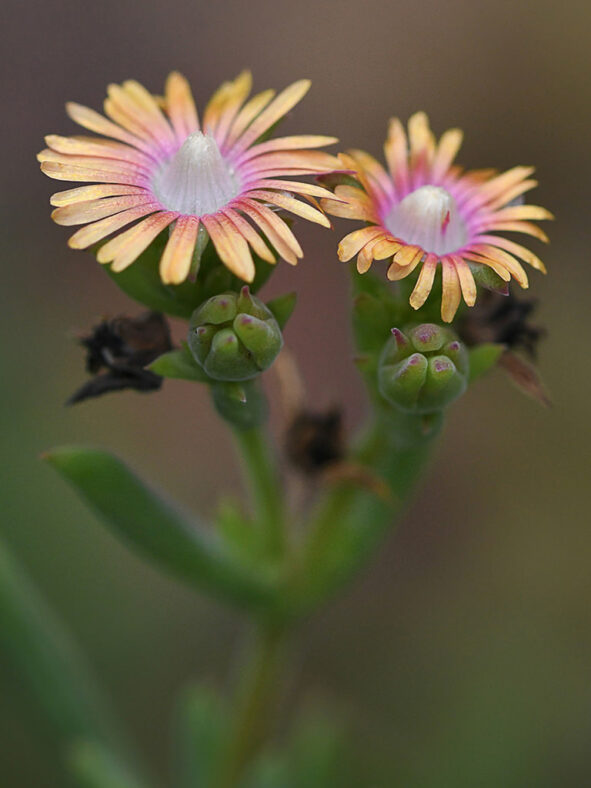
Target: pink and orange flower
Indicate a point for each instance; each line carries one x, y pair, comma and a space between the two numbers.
156, 166
426, 211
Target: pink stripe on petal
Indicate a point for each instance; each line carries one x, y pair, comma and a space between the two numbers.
94, 121
64, 172
298, 187
245, 117
230, 245
354, 242
92, 233
122, 115
451, 291
138, 238
85, 193
181, 106
292, 205
278, 233
280, 106
176, 260
257, 244
85, 212
90, 162
424, 283
301, 142
467, 283
241, 88
95, 146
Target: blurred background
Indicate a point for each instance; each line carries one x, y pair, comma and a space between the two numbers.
462, 657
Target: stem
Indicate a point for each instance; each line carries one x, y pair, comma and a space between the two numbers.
260, 470
351, 519
254, 705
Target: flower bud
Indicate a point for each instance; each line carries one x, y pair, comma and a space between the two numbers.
424, 369
234, 336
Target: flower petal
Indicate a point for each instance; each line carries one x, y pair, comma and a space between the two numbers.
258, 246
96, 231
180, 106
466, 278
175, 262
85, 193
230, 245
425, 282
133, 241
354, 242
281, 105
278, 233
94, 121
247, 114
91, 210
292, 205
451, 292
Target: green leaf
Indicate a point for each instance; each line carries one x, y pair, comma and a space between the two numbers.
94, 766
44, 653
200, 730
319, 753
489, 279
282, 308
179, 364
47, 659
372, 322
141, 280
156, 529
483, 358
237, 530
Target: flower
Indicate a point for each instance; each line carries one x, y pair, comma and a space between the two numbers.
156, 165
426, 210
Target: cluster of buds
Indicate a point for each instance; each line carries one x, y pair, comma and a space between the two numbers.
234, 336
423, 370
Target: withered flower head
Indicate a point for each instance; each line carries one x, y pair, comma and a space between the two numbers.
314, 441
502, 319
123, 346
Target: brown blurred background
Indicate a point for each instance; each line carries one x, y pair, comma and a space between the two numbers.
463, 656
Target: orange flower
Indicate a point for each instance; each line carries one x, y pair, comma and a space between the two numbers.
425, 211
155, 165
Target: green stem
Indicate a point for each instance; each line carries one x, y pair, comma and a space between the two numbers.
351, 519
260, 470
254, 705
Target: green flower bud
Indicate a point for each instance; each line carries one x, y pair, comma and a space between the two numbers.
424, 369
234, 336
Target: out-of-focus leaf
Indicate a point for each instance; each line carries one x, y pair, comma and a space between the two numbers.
237, 530
156, 529
487, 278
200, 729
179, 364
282, 308
319, 753
94, 766
43, 653
372, 322
484, 357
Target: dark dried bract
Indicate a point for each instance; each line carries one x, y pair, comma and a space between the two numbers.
122, 347
502, 319
314, 441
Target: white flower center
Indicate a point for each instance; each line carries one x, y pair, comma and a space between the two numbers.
196, 180
428, 217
